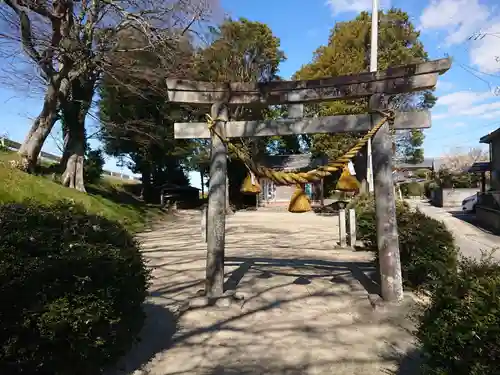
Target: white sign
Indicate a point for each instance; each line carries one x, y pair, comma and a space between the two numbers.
350, 167
252, 178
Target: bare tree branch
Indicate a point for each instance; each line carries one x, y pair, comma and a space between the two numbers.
458, 160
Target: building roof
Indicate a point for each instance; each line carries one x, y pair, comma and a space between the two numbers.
490, 137
300, 162
297, 162
402, 176
482, 166
428, 163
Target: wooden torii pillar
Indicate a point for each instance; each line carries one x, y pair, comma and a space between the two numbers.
378, 86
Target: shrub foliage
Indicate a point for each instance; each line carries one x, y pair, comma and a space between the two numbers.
412, 189
426, 246
460, 330
72, 287
94, 165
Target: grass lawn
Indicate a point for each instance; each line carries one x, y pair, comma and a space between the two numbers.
111, 197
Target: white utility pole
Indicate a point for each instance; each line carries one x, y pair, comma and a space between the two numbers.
373, 68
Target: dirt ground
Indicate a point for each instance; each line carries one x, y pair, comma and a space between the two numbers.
305, 309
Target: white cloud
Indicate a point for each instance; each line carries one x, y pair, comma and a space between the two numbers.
491, 115
462, 19
354, 6
459, 18
485, 53
462, 99
467, 103
444, 85
483, 109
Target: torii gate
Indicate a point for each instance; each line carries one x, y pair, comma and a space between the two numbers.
376, 85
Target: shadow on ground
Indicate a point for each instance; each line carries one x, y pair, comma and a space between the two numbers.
304, 271
156, 336
304, 309
471, 219
409, 363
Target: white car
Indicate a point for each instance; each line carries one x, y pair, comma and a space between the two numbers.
469, 204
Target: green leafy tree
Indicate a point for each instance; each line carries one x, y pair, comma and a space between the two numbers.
94, 165
243, 51
348, 52
409, 146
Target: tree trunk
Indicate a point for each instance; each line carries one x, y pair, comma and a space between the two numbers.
34, 126
74, 113
229, 211
146, 182
74, 156
41, 128
202, 177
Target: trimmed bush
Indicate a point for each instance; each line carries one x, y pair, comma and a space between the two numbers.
72, 287
426, 246
422, 173
365, 202
428, 187
460, 330
448, 179
412, 189
365, 218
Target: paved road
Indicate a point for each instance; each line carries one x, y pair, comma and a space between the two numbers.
471, 239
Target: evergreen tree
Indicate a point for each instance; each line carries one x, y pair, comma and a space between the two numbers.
243, 51
348, 52
136, 119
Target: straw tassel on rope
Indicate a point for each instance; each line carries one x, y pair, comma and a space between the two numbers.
250, 185
299, 202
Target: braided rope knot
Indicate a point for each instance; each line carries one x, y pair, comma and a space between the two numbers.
389, 114
211, 123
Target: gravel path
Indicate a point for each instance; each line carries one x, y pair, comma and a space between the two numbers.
306, 308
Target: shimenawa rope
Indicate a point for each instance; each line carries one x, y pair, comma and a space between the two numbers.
290, 178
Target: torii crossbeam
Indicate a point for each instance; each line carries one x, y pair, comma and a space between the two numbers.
407, 78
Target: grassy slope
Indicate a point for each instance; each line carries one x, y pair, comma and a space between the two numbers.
109, 198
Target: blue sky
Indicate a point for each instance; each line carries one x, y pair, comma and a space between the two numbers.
469, 100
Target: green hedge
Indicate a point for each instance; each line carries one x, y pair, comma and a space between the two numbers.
460, 330
429, 186
72, 287
461, 180
412, 189
427, 248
